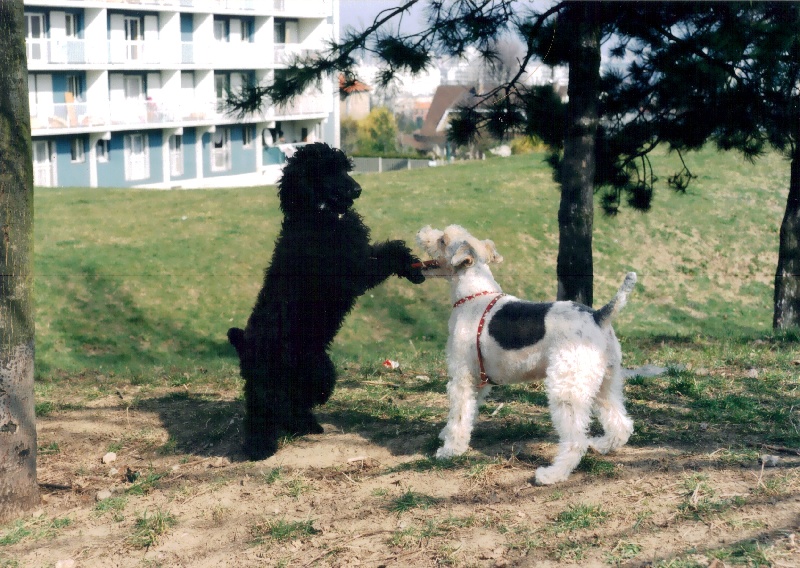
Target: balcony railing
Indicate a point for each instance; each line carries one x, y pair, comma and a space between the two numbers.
137, 113
62, 51
285, 53
43, 52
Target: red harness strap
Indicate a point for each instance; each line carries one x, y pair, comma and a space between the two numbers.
485, 379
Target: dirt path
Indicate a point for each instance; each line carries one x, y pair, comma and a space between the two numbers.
342, 499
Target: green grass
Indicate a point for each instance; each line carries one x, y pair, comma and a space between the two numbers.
139, 288
281, 530
145, 284
148, 528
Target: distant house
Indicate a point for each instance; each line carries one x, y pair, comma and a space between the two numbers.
353, 99
432, 137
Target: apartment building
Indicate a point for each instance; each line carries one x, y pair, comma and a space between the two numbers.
130, 93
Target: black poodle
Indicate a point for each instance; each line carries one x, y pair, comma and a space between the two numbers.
323, 261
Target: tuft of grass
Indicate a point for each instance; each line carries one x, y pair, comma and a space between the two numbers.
578, 517
411, 500
35, 529
272, 475
143, 485
148, 529
281, 530
700, 503
113, 505
596, 467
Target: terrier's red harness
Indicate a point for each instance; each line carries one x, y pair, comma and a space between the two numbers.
485, 379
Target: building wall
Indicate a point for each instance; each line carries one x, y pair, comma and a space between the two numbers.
154, 69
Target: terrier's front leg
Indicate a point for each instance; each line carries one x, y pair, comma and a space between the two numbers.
456, 434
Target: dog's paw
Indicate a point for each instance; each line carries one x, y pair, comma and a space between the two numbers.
550, 475
447, 452
601, 444
259, 449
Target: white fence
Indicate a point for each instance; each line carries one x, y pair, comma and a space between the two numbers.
378, 165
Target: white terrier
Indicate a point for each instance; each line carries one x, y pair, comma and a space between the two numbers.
497, 339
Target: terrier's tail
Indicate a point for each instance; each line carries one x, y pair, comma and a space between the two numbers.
604, 315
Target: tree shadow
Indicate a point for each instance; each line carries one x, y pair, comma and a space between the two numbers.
102, 326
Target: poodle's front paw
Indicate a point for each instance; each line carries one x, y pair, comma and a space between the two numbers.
550, 475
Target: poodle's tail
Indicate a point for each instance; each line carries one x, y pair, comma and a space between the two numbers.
236, 337
604, 315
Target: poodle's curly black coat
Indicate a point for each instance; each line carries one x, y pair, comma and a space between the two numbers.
323, 261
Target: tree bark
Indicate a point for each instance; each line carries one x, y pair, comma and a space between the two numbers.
787, 275
576, 212
18, 488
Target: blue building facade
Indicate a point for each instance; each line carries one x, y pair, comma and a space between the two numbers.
131, 94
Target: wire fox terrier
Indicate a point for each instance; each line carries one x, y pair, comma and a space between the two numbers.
570, 346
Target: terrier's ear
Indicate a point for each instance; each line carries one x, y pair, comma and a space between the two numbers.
427, 238
464, 257
492, 256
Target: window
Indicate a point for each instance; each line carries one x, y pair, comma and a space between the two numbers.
101, 151
77, 155
247, 136
221, 30
133, 37
71, 25
75, 88
176, 155
221, 150
34, 35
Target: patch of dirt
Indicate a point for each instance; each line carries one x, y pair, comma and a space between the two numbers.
343, 498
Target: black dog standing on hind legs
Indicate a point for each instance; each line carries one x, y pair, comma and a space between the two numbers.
323, 261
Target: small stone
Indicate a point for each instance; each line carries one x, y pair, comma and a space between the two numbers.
768, 460
113, 471
751, 373
109, 457
66, 563
103, 495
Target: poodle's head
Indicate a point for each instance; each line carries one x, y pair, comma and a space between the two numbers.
454, 249
315, 180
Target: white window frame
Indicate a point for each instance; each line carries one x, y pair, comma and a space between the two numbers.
134, 45
44, 171
220, 150
70, 25
101, 151
221, 31
35, 44
247, 135
176, 155
77, 150
133, 169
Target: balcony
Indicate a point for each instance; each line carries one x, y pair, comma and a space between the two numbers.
62, 52
133, 114
284, 53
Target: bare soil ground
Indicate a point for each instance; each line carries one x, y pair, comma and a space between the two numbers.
181, 495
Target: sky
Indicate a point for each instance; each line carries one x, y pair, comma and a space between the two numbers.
361, 13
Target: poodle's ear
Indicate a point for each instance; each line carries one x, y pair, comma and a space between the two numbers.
464, 257
492, 256
428, 239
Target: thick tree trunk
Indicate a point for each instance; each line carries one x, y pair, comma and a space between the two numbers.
787, 276
576, 212
18, 488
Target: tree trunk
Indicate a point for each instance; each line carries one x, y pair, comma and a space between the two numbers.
787, 276
576, 212
18, 488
